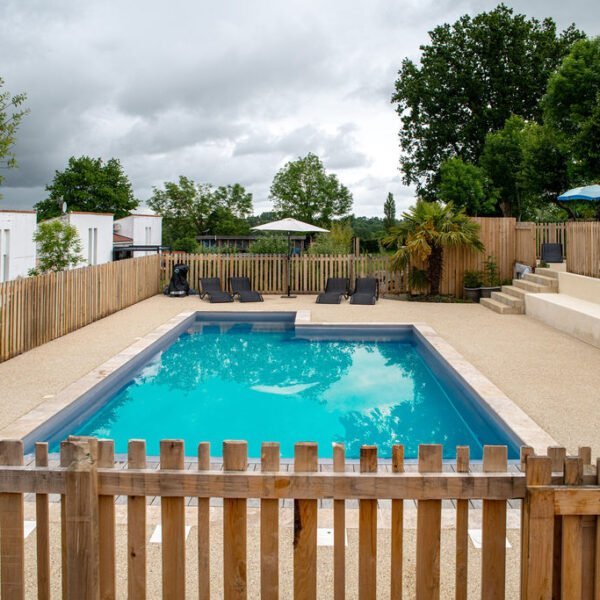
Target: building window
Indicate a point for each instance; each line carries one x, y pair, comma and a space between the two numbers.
4, 254
148, 238
92, 245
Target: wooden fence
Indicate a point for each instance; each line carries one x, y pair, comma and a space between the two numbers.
35, 310
560, 511
550, 233
583, 248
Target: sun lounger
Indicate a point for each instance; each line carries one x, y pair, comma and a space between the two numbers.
336, 288
552, 253
242, 288
211, 287
366, 291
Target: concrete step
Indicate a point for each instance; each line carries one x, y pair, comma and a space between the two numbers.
511, 290
531, 287
518, 303
550, 282
546, 272
499, 307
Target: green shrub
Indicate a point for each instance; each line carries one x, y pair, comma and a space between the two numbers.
472, 279
269, 244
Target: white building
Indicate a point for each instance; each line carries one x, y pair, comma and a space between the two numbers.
138, 230
96, 234
17, 248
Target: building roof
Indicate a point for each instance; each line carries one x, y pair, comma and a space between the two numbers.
8, 210
84, 212
121, 239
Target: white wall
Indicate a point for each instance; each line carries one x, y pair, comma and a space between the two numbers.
145, 230
96, 234
17, 248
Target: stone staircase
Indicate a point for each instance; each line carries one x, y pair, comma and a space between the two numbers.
511, 300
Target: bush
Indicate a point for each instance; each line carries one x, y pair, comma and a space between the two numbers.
337, 241
491, 275
472, 279
186, 244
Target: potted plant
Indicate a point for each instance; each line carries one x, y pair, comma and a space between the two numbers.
472, 285
491, 277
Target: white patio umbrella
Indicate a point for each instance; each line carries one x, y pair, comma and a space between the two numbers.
290, 226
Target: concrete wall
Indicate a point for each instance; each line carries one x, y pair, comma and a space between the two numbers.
579, 286
145, 230
101, 249
574, 310
17, 248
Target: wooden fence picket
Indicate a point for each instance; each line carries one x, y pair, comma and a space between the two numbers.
42, 529
493, 555
136, 528
12, 547
397, 530
269, 529
204, 528
235, 458
462, 530
429, 523
367, 532
172, 518
339, 529
106, 526
305, 528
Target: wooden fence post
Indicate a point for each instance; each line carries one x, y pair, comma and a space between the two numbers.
367, 532
429, 522
172, 518
81, 518
537, 541
493, 555
462, 529
12, 547
339, 529
204, 528
269, 530
397, 530
42, 529
572, 538
136, 527
235, 458
305, 528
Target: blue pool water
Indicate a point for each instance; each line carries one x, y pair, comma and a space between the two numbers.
271, 382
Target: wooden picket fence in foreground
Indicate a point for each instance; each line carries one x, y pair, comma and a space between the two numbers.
560, 533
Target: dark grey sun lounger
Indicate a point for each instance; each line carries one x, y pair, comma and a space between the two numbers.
242, 288
552, 253
366, 291
336, 288
211, 287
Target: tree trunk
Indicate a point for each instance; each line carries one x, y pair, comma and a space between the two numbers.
436, 263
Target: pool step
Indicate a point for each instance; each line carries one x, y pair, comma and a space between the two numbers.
499, 307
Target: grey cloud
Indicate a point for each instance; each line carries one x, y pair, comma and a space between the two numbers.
221, 92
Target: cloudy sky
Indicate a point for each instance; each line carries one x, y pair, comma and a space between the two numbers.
222, 92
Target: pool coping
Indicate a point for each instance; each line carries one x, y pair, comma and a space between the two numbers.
504, 409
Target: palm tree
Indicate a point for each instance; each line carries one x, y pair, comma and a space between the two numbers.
425, 231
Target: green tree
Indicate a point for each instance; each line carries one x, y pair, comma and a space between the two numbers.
572, 109
190, 209
425, 230
302, 189
472, 76
58, 247
389, 212
11, 115
337, 241
89, 185
466, 186
269, 244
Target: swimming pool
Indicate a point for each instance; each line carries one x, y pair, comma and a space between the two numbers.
260, 377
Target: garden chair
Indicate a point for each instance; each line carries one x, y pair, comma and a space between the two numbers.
336, 288
366, 291
211, 287
242, 288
